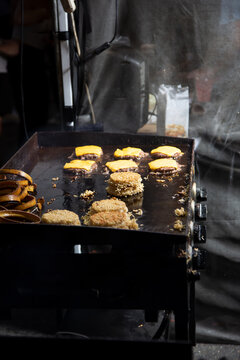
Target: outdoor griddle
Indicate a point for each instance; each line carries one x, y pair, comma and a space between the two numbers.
153, 268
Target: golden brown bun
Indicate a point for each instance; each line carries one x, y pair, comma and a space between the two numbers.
64, 217
114, 219
125, 184
108, 205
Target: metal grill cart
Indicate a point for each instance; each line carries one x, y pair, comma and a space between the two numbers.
153, 268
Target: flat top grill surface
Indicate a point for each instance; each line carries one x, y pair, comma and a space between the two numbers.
45, 154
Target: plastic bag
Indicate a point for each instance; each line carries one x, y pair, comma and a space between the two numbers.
173, 110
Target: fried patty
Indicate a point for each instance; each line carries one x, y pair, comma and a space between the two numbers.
112, 204
108, 205
125, 184
64, 217
114, 219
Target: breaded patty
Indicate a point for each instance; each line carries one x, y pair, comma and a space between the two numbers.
114, 219
108, 205
64, 217
125, 184
112, 204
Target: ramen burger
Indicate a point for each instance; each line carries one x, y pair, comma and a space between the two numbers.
62, 217
113, 219
108, 205
125, 184
112, 204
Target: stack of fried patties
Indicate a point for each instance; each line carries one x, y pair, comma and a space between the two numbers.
125, 184
112, 213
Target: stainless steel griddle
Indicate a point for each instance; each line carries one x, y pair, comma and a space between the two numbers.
45, 154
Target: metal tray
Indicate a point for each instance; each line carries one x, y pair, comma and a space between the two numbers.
45, 153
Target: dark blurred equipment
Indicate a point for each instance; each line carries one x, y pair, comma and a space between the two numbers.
123, 99
68, 5
124, 93
63, 61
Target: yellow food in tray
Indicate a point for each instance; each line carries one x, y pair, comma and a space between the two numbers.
88, 151
166, 152
122, 165
80, 165
129, 153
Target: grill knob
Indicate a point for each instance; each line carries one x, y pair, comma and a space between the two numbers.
199, 234
199, 258
201, 211
201, 194
194, 275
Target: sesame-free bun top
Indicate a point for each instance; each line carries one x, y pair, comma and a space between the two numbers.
113, 219
125, 184
126, 177
108, 205
64, 217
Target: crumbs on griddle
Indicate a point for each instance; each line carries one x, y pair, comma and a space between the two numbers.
87, 194
178, 225
182, 201
54, 185
183, 254
180, 212
51, 201
184, 190
138, 211
161, 181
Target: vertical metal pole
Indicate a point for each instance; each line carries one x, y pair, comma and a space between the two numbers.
63, 60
